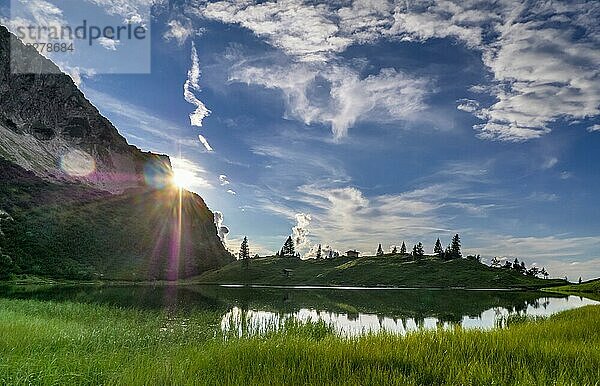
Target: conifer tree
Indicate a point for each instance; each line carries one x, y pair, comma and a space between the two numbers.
395, 250
455, 247
288, 249
403, 249
244, 250
438, 249
319, 253
420, 250
379, 251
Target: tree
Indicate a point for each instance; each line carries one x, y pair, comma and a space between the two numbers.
544, 273
438, 249
418, 251
244, 250
319, 253
533, 271
6, 265
331, 253
403, 249
395, 250
288, 249
495, 262
455, 247
379, 251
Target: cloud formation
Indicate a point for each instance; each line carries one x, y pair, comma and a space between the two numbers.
388, 96
544, 58
222, 229
300, 231
193, 84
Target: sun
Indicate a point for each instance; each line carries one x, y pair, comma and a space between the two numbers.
182, 178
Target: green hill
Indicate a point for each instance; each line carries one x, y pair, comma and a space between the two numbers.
589, 289
70, 231
392, 271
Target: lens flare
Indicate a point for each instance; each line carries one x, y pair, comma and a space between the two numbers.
77, 163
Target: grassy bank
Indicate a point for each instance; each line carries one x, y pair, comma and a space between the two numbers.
396, 271
590, 289
68, 343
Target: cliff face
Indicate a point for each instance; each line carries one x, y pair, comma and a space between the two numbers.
47, 126
75, 201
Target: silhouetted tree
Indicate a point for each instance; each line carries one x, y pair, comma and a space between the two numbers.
403, 249
395, 250
533, 271
331, 253
438, 249
418, 251
379, 251
288, 249
319, 253
455, 247
544, 273
244, 250
495, 262
580, 280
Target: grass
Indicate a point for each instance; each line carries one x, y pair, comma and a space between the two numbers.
69, 343
589, 289
398, 271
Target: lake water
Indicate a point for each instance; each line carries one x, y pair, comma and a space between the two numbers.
349, 311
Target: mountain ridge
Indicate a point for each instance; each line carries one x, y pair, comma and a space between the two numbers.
76, 200
49, 127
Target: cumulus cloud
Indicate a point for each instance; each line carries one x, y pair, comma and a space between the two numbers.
193, 84
300, 29
232, 192
222, 230
300, 231
388, 96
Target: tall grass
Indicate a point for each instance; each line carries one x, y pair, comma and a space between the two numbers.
66, 343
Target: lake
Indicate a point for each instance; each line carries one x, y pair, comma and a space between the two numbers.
349, 311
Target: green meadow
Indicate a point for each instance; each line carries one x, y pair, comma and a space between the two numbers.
55, 343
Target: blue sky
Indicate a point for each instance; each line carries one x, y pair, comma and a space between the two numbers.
354, 123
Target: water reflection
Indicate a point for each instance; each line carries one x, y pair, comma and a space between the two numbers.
349, 311
252, 322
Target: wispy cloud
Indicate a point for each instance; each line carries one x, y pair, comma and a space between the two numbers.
594, 128
192, 84
179, 31
389, 96
544, 58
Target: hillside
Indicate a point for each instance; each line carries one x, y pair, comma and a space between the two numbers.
76, 200
72, 231
590, 289
394, 271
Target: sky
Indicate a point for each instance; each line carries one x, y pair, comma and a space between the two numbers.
354, 123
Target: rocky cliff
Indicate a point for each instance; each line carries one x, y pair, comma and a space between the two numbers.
75, 197
47, 126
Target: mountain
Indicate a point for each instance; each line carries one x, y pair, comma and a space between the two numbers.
76, 200
47, 126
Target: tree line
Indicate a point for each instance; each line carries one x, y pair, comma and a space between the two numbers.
452, 251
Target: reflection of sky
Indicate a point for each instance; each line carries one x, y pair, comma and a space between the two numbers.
260, 322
